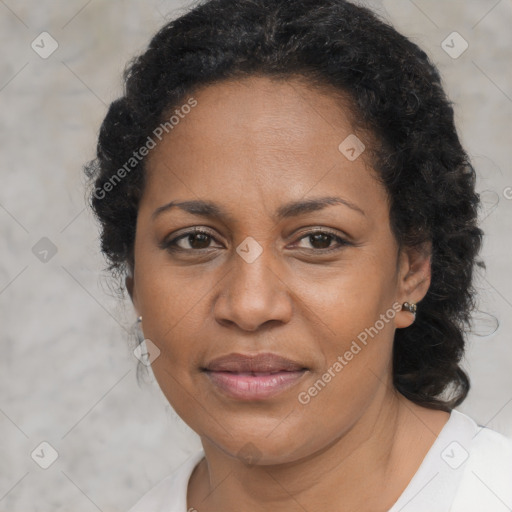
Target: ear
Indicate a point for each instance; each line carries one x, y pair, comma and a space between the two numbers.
414, 276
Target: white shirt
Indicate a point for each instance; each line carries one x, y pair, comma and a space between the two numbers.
467, 469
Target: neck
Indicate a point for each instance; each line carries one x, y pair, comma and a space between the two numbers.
366, 468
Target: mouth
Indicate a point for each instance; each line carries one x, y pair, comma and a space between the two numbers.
253, 377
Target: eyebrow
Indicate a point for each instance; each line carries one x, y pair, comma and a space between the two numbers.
210, 209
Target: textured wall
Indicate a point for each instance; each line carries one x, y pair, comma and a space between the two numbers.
67, 374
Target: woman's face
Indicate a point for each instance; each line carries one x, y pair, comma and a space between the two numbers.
319, 286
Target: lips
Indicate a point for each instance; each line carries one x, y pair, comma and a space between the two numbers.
253, 377
259, 363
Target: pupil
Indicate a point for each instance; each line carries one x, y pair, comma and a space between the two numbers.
205, 240
322, 237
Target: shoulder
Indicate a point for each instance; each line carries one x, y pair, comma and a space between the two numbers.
467, 469
486, 482
170, 494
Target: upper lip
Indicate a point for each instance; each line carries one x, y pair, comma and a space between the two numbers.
266, 362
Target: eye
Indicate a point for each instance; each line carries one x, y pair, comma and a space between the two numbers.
321, 241
196, 239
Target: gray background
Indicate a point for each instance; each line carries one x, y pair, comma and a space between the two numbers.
67, 373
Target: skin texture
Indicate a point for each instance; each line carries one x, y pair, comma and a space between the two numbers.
251, 146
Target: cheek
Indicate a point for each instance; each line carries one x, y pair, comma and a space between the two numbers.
173, 302
357, 370
347, 298
356, 312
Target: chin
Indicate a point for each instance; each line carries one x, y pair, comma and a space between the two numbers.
262, 443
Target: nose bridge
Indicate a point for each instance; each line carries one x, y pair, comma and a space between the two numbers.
254, 269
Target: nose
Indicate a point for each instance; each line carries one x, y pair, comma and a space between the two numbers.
253, 294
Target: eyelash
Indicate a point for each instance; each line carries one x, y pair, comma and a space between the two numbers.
170, 245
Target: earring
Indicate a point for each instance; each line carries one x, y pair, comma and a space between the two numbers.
138, 330
410, 306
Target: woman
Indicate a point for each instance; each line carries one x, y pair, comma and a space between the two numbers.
284, 191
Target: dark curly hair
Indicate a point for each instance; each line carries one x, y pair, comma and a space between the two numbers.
395, 93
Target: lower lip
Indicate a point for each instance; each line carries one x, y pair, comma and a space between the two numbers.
244, 386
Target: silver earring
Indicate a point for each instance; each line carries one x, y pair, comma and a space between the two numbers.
139, 319
408, 306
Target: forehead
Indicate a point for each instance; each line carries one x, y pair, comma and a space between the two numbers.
276, 138
264, 113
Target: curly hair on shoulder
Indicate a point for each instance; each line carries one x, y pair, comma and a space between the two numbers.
395, 92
